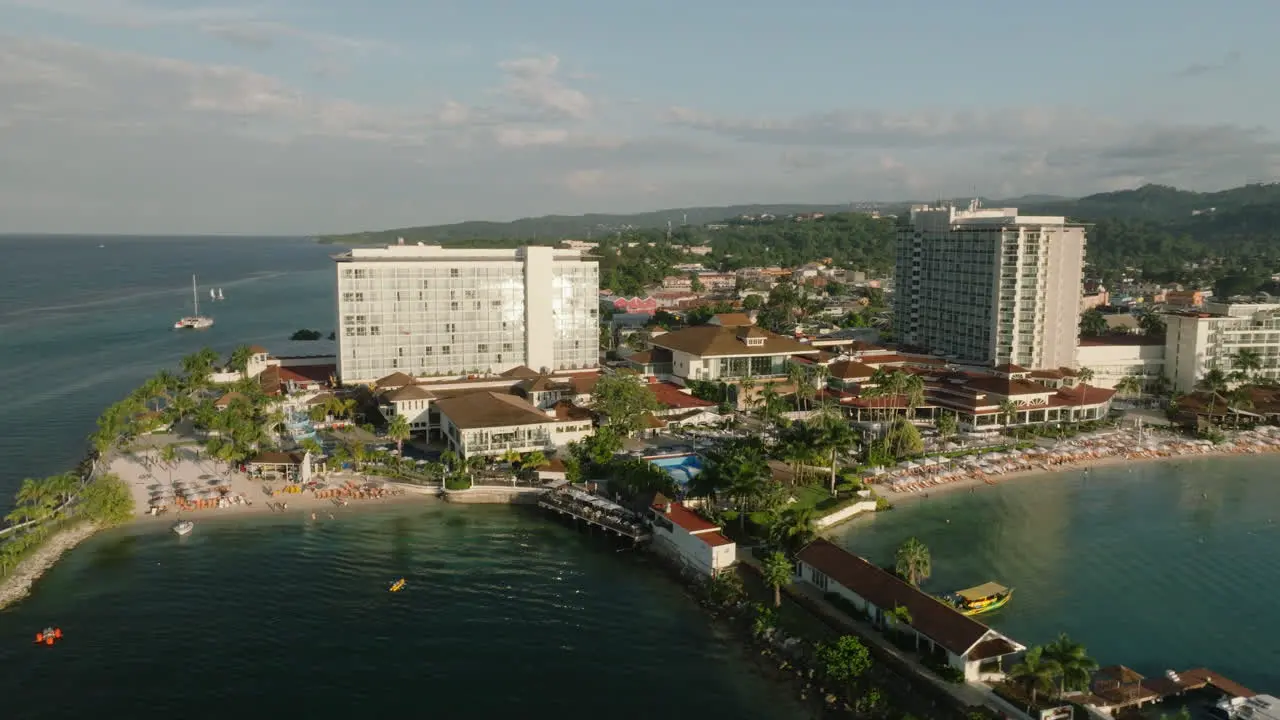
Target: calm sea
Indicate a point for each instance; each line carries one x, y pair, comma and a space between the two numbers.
506, 614
1158, 566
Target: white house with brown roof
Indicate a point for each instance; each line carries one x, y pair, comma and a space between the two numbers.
485, 423
413, 402
952, 637
694, 542
719, 353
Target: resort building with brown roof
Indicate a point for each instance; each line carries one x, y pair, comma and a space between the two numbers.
948, 635
727, 353
694, 542
487, 423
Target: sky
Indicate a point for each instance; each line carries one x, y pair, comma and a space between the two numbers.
317, 116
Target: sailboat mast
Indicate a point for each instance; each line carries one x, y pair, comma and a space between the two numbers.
195, 296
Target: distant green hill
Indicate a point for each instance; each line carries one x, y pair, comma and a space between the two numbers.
550, 229
1159, 204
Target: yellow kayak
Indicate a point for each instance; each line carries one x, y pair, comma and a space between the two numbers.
397, 586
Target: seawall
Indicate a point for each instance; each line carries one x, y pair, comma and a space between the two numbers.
495, 495
17, 584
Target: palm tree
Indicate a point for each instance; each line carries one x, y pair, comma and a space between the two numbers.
1128, 386
398, 430
533, 460
1247, 362
240, 360
1215, 383
900, 616
835, 437
312, 446
1239, 399
357, 452
169, 457
1075, 667
912, 561
1036, 672
797, 376
511, 457
1009, 411
793, 528
1084, 375
776, 570
913, 390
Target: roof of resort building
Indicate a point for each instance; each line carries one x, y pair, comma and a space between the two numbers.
731, 319
1009, 368
717, 341
851, 370
1008, 387
304, 374
258, 350
943, 624
475, 410
227, 399
650, 356
275, 457
584, 383
394, 380
320, 399
520, 371
1121, 339
408, 392
543, 383
714, 539
673, 397
682, 516
653, 422
565, 410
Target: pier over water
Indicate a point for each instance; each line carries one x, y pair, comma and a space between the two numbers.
593, 510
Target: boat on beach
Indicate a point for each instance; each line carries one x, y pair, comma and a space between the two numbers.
183, 527
979, 599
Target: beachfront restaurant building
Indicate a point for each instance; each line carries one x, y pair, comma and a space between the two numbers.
940, 630
275, 465
694, 542
490, 424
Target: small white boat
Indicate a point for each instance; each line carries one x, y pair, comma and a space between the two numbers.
183, 527
220, 294
196, 321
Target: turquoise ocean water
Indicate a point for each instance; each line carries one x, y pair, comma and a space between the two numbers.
1158, 566
507, 614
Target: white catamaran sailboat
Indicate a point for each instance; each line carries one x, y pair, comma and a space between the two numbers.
220, 294
196, 321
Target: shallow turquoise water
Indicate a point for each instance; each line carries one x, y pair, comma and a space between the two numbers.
1164, 565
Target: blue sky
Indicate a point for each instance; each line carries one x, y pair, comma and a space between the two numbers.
301, 116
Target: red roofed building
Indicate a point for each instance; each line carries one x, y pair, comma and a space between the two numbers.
685, 536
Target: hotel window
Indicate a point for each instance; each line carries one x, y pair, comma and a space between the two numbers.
482, 348
444, 349
427, 351
453, 306
453, 272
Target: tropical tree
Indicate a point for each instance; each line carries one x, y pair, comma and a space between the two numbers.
1213, 382
913, 562
793, 528
533, 460
1128, 386
1036, 672
1092, 323
844, 660
776, 570
1075, 667
947, 424
903, 439
1008, 411
240, 360
835, 437
169, 458
1247, 363
399, 431
1151, 324
1084, 375
899, 617
623, 400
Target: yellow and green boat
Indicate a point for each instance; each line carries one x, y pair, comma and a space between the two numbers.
981, 599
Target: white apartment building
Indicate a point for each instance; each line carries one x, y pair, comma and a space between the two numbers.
433, 312
1197, 342
989, 286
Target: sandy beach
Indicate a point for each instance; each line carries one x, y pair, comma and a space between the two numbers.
980, 471
195, 487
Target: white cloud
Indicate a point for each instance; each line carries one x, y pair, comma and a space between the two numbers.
534, 82
526, 137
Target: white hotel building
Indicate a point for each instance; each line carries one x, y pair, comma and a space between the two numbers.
428, 311
989, 286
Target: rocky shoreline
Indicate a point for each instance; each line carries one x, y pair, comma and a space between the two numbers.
17, 584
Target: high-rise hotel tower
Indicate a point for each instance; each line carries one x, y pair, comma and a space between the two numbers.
428, 311
988, 286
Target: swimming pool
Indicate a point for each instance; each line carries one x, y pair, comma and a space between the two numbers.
681, 468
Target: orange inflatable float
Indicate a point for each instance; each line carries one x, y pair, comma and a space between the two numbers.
49, 636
